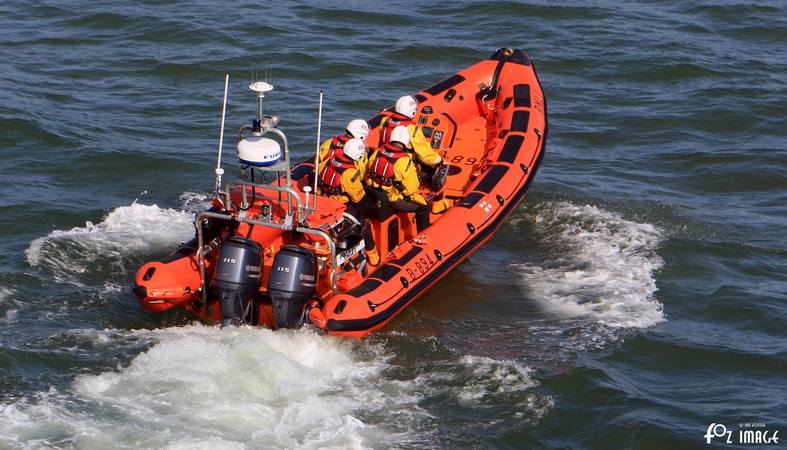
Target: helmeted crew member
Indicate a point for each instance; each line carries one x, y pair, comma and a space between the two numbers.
341, 178
393, 171
357, 128
404, 111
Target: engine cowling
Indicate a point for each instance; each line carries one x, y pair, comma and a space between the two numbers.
237, 278
292, 283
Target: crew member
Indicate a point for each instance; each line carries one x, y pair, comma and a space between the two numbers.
404, 111
393, 171
357, 128
341, 178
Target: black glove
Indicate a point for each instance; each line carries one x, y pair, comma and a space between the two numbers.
439, 177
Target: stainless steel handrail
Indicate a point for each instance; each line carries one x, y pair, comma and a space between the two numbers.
288, 190
283, 137
269, 126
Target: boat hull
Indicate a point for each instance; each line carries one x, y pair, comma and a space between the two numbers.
516, 140
489, 123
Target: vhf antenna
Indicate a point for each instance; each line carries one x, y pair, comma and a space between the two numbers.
260, 87
219, 170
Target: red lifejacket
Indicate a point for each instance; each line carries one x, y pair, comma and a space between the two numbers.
382, 170
393, 121
331, 175
337, 142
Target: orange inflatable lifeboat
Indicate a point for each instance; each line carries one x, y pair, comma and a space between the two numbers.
274, 254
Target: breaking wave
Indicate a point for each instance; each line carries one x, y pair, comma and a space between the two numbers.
123, 232
605, 268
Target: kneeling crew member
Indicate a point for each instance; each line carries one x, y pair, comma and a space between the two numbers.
403, 114
357, 128
392, 170
341, 178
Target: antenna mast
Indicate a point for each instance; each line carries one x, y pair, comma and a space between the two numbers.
317, 153
219, 170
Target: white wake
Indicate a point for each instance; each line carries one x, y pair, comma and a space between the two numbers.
605, 271
204, 387
124, 231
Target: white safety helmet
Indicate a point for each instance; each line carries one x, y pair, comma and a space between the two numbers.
406, 106
355, 148
400, 134
358, 128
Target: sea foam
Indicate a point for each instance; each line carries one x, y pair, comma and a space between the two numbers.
124, 231
605, 268
204, 387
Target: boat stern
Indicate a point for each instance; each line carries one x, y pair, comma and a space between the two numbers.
160, 286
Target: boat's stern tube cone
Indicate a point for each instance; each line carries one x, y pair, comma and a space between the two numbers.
237, 279
292, 283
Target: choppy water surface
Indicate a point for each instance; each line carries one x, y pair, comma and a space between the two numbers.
637, 295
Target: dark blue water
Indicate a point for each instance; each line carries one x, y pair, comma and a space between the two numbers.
636, 297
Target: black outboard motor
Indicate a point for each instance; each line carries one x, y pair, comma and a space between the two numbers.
237, 278
292, 283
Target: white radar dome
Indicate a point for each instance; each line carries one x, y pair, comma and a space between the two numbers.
259, 151
261, 87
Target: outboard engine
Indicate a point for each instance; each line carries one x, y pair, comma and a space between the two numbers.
237, 278
292, 283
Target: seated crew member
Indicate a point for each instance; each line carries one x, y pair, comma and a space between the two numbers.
393, 171
403, 114
357, 128
341, 178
